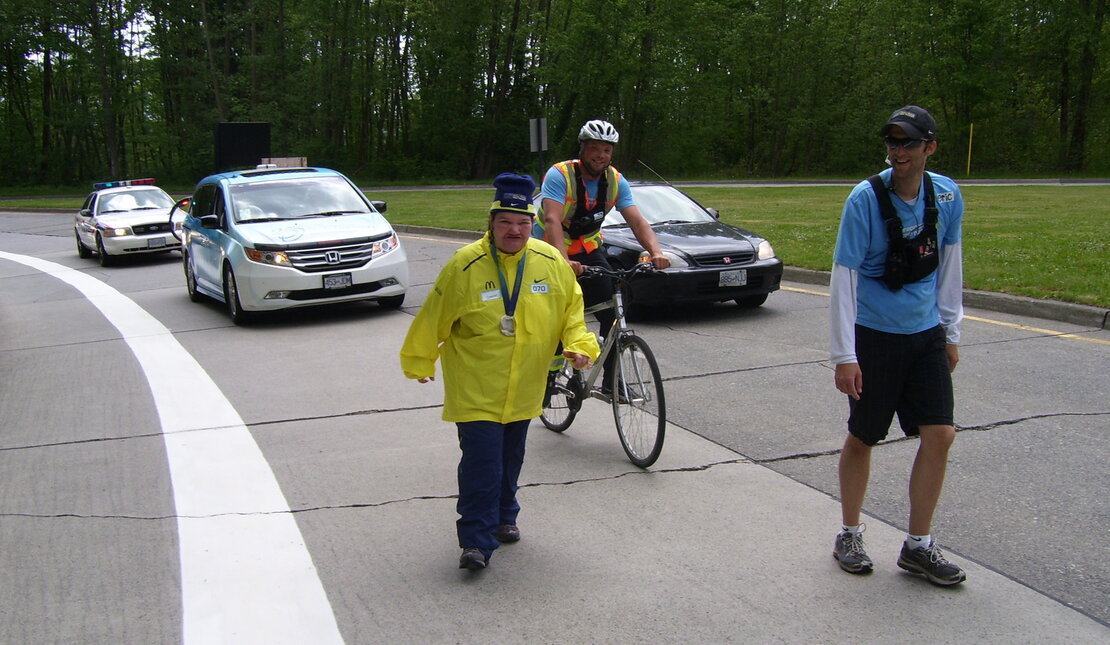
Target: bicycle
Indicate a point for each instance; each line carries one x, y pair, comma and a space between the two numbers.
635, 387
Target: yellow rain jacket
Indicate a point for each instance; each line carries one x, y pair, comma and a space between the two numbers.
488, 376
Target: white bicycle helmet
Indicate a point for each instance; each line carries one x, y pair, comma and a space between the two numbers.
598, 130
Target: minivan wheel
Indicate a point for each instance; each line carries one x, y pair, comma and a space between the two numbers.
190, 278
231, 298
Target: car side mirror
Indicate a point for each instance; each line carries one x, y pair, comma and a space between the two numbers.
210, 221
84, 212
713, 212
378, 205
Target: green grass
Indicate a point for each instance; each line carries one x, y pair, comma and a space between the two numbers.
1038, 241
1043, 241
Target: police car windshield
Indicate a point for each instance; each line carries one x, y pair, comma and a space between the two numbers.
134, 200
267, 201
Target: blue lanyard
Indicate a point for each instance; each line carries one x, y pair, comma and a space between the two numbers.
510, 302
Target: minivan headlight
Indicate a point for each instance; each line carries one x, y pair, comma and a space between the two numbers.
381, 247
276, 258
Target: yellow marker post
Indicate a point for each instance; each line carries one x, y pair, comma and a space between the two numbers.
970, 136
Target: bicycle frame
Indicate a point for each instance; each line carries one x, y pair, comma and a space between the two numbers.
619, 327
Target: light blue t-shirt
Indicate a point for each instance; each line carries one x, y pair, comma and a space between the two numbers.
861, 245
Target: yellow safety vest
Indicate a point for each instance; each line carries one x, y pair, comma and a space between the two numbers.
569, 170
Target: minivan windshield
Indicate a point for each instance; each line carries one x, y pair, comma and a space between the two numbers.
295, 198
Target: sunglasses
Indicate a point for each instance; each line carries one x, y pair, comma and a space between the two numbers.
906, 144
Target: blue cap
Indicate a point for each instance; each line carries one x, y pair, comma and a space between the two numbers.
513, 193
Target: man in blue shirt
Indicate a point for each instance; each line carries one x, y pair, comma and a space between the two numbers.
896, 308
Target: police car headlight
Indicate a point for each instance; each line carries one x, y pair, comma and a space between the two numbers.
276, 258
116, 232
765, 252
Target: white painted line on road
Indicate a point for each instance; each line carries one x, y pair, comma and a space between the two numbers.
246, 574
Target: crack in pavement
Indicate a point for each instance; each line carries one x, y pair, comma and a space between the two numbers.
361, 505
151, 435
663, 471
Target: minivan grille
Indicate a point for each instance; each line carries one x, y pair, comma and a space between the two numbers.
332, 258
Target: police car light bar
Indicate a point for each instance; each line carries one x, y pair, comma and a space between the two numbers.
149, 181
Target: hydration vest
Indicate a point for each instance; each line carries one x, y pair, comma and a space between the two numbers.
914, 259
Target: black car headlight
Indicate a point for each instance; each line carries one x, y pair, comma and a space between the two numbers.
765, 252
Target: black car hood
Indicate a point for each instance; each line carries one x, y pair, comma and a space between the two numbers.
697, 238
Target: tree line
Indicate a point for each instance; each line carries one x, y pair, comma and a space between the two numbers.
444, 89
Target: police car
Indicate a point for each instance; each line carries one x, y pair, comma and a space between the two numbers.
273, 238
121, 218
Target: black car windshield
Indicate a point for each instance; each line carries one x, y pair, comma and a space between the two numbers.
134, 200
266, 201
662, 204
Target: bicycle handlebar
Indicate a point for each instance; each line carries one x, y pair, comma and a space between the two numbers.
623, 275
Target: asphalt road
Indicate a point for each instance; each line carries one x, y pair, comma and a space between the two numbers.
87, 518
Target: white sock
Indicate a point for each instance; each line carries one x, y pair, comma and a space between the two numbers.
918, 541
852, 529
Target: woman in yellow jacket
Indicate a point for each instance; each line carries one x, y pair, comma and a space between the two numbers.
498, 309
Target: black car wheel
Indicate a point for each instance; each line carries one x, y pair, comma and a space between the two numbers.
752, 301
392, 302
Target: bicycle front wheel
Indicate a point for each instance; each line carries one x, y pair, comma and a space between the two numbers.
639, 408
560, 402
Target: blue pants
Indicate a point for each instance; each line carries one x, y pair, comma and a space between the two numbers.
492, 456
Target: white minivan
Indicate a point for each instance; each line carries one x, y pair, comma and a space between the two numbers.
274, 238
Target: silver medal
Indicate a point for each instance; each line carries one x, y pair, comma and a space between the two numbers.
508, 326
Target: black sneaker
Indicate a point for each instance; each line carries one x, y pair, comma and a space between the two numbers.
506, 533
930, 562
848, 551
472, 559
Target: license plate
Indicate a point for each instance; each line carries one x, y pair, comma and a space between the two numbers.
155, 242
337, 281
734, 278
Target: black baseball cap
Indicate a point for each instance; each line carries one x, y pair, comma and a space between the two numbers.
915, 121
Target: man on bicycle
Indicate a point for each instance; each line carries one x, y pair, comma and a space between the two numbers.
576, 194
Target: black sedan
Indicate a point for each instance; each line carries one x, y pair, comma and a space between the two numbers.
711, 261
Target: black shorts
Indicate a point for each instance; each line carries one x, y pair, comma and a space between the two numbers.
907, 374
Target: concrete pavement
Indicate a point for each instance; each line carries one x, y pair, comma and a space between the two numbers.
706, 547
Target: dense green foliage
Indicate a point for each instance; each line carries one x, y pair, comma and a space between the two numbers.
410, 89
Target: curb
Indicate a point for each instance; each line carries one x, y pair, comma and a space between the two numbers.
1068, 312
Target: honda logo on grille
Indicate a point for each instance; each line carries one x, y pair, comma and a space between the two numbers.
728, 260
332, 257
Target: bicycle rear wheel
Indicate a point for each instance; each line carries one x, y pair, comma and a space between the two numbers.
639, 408
563, 404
